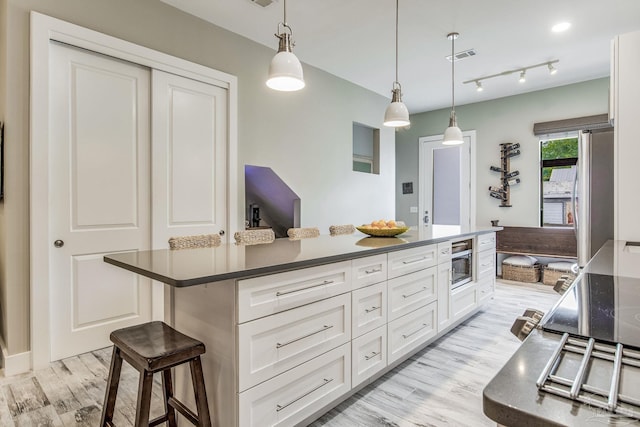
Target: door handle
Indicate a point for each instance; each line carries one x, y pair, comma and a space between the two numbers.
58, 243
425, 219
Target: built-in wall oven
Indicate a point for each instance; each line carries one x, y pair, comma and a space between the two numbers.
461, 262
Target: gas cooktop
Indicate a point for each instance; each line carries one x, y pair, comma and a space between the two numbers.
606, 308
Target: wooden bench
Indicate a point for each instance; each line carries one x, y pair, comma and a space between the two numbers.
537, 241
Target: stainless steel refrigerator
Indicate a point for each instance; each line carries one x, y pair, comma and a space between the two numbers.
593, 192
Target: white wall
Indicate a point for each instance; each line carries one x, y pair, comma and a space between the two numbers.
305, 137
508, 119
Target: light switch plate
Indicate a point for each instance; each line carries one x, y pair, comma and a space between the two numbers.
413, 209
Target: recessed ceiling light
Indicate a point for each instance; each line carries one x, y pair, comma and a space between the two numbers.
560, 27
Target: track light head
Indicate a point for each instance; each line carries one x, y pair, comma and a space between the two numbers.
523, 77
479, 87
552, 69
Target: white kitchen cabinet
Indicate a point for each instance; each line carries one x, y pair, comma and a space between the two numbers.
409, 260
296, 394
369, 308
625, 89
369, 355
464, 299
445, 309
274, 293
411, 291
411, 331
274, 344
369, 270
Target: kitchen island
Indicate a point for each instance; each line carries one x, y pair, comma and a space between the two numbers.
603, 304
294, 327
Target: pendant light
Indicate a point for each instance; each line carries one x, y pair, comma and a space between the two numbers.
453, 134
285, 70
396, 114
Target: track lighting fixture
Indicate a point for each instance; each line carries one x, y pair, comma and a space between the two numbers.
285, 70
522, 71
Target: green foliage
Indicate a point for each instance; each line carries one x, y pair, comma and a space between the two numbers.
559, 149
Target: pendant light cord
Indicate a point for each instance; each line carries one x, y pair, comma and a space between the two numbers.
397, 1
453, 74
285, 13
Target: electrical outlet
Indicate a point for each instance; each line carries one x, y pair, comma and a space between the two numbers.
413, 209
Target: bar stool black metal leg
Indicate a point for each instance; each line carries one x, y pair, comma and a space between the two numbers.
200, 392
111, 391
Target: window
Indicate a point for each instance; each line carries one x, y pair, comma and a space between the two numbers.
558, 166
366, 149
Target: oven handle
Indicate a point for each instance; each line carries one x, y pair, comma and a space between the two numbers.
461, 254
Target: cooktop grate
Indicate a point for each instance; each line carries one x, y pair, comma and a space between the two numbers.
601, 375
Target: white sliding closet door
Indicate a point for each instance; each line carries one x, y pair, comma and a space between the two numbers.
189, 157
100, 199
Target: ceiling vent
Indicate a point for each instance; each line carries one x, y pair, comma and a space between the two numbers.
263, 3
463, 55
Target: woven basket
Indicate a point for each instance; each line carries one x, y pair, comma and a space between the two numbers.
337, 230
192, 242
521, 273
551, 275
254, 237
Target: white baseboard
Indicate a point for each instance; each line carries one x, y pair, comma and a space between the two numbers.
16, 363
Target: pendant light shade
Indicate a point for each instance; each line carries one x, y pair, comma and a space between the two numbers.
285, 70
453, 134
396, 114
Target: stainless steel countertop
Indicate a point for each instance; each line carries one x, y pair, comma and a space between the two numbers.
188, 267
512, 397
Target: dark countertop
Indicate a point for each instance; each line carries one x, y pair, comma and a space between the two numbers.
190, 267
512, 397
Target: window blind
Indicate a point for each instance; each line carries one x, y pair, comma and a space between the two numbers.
599, 121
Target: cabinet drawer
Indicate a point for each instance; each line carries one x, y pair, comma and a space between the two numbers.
486, 265
296, 394
486, 289
270, 346
464, 300
368, 309
264, 295
410, 260
406, 293
444, 252
369, 270
486, 241
369, 353
410, 331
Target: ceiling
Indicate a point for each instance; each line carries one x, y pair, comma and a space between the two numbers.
355, 40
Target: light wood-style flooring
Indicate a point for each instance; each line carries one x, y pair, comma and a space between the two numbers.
439, 386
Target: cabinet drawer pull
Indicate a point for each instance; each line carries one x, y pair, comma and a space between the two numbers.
413, 261
373, 270
444, 252
487, 264
324, 328
373, 354
369, 310
326, 282
414, 293
324, 383
424, 325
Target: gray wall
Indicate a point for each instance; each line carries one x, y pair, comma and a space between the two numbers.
305, 137
507, 119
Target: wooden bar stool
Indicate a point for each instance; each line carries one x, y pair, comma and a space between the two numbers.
149, 348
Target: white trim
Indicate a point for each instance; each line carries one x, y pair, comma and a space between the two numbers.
472, 173
43, 30
16, 363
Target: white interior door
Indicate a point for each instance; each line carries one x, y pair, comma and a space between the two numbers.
99, 196
189, 157
446, 194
